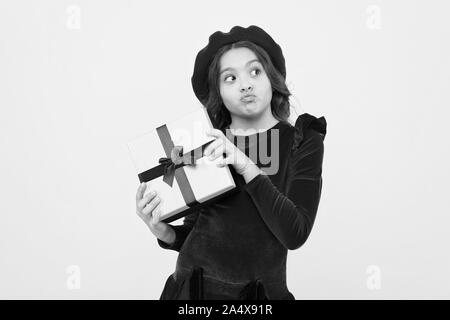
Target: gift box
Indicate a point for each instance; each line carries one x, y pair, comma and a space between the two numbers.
170, 159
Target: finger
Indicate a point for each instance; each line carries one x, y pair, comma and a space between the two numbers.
149, 197
228, 148
151, 205
156, 214
212, 146
218, 152
214, 132
145, 200
223, 162
140, 191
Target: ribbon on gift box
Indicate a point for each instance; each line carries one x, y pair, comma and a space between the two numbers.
175, 160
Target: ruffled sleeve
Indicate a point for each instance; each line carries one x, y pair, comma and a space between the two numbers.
305, 122
290, 215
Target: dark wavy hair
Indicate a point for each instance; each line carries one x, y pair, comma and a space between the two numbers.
219, 114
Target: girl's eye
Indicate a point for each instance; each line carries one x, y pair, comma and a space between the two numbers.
255, 69
225, 79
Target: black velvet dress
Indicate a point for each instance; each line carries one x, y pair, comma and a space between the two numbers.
236, 249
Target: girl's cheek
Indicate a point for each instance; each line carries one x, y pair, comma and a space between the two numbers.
226, 92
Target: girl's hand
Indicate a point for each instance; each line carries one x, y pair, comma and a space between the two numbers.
148, 209
234, 156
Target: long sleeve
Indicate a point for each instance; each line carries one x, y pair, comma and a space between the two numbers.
291, 217
181, 232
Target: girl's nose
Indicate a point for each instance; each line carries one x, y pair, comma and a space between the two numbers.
246, 88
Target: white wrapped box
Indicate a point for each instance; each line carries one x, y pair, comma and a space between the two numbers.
171, 159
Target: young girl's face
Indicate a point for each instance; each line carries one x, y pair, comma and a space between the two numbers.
241, 73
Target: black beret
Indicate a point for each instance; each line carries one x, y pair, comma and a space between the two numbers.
218, 39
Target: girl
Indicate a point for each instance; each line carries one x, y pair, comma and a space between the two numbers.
237, 247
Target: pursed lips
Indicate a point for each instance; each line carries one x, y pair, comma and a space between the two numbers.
248, 98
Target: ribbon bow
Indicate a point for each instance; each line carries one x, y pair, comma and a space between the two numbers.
176, 160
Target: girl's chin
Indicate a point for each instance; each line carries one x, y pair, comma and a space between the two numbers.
251, 110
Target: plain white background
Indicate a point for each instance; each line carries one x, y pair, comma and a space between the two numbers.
78, 79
